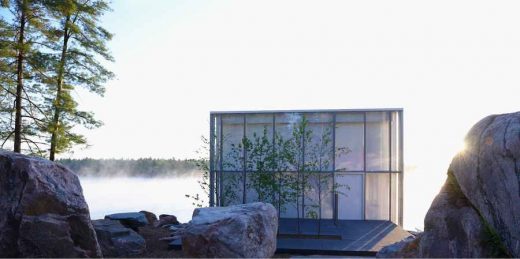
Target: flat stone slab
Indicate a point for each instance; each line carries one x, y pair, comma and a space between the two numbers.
133, 220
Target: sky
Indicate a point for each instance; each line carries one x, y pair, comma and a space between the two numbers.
448, 64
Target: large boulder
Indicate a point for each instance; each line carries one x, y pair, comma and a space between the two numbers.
477, 212
247, 230
117, 240
42, 210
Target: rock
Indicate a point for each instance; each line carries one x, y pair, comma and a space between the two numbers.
488, 175
176, 232
453, 228
42, 210
247, 230
406, 248
117, 240
477, 212
150, 217
166, 220
132, 220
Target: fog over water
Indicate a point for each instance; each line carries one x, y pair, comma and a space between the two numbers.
166, 195
106, 195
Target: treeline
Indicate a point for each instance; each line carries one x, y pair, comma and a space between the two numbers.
143, 167
49, 49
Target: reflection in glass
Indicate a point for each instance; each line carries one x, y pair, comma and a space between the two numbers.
319, 150
319, 196
394, 198
378, 141
232, 133
232, 188
377, 200
349, 142
364, 145
291, 204
395, 141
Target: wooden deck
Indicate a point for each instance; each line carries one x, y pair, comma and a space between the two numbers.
344, 237
356, 237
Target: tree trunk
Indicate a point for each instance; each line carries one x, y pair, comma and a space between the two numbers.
19, 86
59, 90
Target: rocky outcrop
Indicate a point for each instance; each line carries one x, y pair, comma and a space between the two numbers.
166, 220
42, 210
132, 220
247, 230
477, 212
116, 240
406, 248
150, 216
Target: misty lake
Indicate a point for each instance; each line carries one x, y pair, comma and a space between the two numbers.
166, 195
106, 195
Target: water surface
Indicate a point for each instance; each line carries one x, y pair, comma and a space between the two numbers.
106, 195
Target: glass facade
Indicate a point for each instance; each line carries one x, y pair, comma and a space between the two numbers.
332, 164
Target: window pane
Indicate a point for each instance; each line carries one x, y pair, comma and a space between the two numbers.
395, 141
394, 197
285, 126
318, 149
378, 141
216, 145
232, 188
289, 208
232, 132
251, 193
318, 196
377, 200
259, 133
350, 196
349, 142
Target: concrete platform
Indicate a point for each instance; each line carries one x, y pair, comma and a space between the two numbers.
344, 237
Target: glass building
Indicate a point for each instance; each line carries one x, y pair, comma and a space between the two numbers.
318, 164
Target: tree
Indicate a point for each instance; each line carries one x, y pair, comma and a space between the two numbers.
294, 171
23, 73
6, 82
81, 41
202, 163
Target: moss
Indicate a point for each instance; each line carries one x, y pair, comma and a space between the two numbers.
493, 242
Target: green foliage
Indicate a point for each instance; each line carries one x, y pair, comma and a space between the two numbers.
493, 241
281, 170
202, 163
48, 48
78, 41
23, 63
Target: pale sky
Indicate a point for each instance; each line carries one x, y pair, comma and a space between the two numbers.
447, 63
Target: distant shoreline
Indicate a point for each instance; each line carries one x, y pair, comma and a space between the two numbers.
143, 167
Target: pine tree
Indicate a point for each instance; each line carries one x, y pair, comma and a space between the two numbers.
7, 84
23, 74
82, 41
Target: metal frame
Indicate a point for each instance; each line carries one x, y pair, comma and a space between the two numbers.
216, 151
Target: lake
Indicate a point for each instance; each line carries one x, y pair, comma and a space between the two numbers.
106, 195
